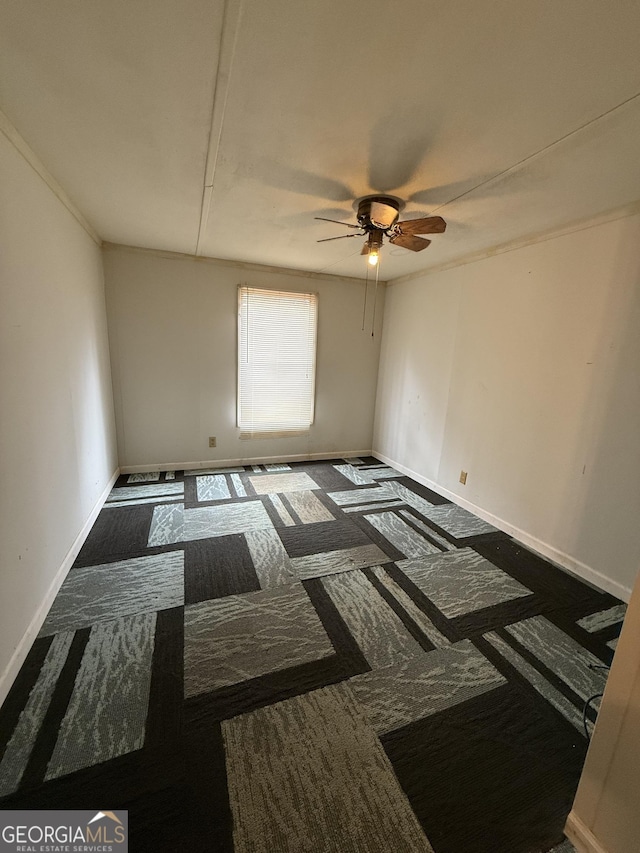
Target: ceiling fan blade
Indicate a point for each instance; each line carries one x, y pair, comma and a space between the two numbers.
426, 225
341, 237
337, 222
365, 248
382, 215
409, 241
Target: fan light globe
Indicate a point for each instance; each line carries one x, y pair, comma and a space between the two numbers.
373, 257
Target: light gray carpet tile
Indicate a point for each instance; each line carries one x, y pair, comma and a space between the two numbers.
169, 475
358, 478
237, 486
457, 521
277, 483
140, 501
232, 639
398, 533
422, 505
379, 632
278, 467
308, 508
538, 681
212, 487
135, 494
107, 711
382, 473
209, 521
598, 621
565, 847
399, 694
283, 512
349, 497
421, 619
256, 469
271, 561
461, 581
197, 472
309, 774
613, 644
561, 654
148, 477
18, 750
167, 525
331, 562
99, 593
353, 460
425, 527
369, 507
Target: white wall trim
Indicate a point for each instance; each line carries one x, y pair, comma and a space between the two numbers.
22, 649
581, 836
560, 558
233, 463
21, 146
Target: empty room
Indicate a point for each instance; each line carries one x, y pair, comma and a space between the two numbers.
307, 544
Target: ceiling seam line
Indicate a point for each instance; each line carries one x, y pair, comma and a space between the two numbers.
539, 152
230, 19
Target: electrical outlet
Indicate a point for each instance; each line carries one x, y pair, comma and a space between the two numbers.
463, 478
212, 441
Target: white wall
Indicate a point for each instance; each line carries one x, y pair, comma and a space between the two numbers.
173, 334
523, 370
57, 434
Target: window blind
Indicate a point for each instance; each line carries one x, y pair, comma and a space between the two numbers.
276, 361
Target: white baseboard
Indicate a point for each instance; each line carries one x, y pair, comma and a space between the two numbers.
233, 463
22, 649
581, 836
564, 561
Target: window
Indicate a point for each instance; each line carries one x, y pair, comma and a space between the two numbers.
276, 361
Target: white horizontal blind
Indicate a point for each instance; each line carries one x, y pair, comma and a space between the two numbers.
276, 361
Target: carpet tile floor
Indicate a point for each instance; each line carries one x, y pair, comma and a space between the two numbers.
321, 656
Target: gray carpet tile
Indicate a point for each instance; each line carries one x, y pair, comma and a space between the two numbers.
331, 562
383, 472
141, 501
369, 507
233, 639
440, 540
277, 483
401, 693
98, 593
603, 619
133, 494
21, 743
565, 847
538, 681
278, 466
421, 619
561, 654
148, 477
210, 521
613, 644
212, 487
238, 487
461, 581
375, 627
169, 475
398, 533
308, 508
353, 460
283, 512
108, 707
457, 521
377, 493
417, 502
270, 559
167, 525
196, 472
309, 774
357, 477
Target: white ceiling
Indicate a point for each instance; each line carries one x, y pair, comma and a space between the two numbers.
222, 129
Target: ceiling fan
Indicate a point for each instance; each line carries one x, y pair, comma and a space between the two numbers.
378, 218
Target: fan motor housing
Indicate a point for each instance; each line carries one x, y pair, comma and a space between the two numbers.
364, 209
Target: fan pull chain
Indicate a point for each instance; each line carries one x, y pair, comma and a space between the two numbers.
375, 298
366, 288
